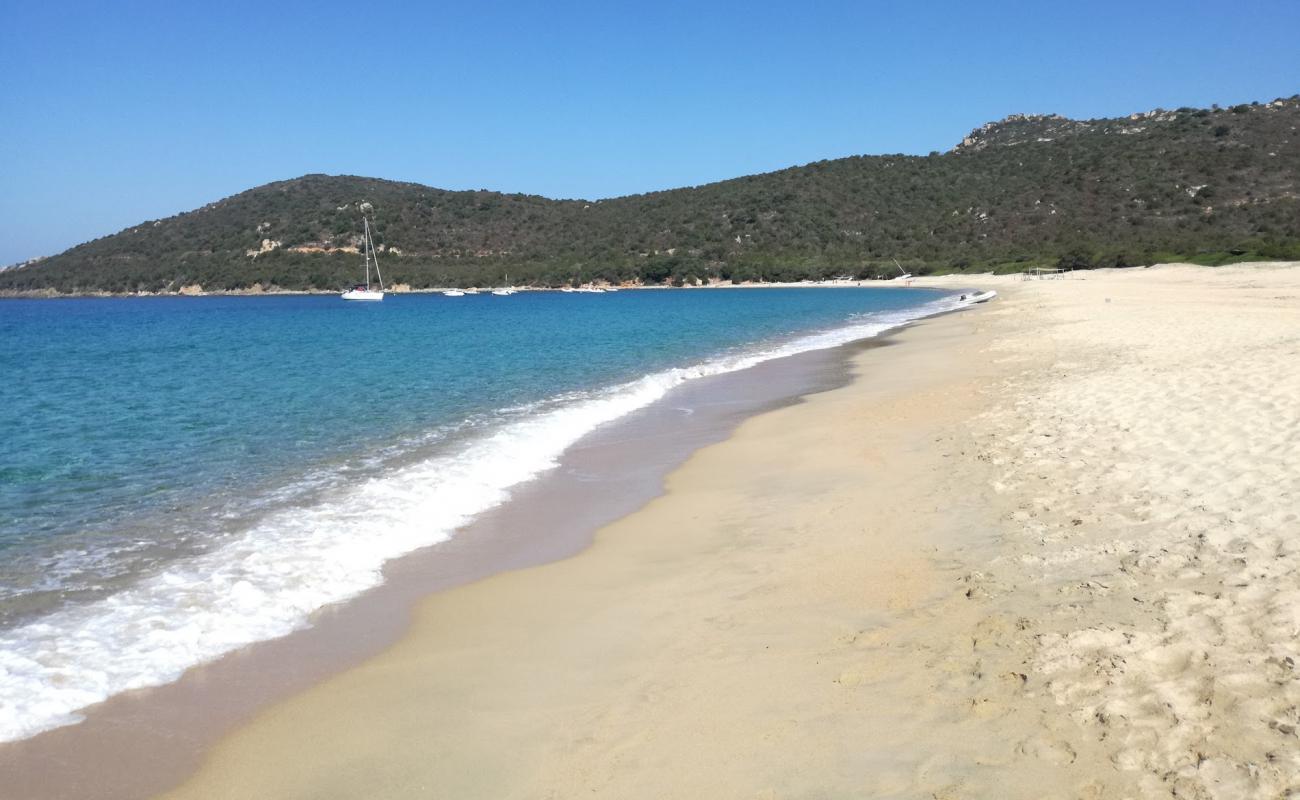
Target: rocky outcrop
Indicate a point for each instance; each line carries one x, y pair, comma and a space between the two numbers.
1023, 128
267, 246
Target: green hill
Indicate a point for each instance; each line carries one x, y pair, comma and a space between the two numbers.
1191, 184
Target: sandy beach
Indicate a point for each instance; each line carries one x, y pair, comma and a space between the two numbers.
1046, 547
645, 401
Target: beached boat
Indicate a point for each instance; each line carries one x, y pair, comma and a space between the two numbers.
977, 297
363, 291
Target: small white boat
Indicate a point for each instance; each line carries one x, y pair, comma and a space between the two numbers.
568, 289
977, 297
505, 291
453, 293
903, 274
363, 291
469, 291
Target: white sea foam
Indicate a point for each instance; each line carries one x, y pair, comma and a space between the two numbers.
268, 580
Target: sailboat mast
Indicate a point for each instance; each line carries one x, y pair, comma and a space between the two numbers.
365, 248
375, 254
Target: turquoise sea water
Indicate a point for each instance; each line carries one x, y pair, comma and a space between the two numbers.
180, 476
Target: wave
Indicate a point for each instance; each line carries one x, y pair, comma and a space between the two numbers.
268, 580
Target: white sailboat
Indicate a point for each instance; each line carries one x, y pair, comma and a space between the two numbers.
506, 290
363, 291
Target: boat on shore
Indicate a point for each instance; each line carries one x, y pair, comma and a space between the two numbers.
977, 297
363, 291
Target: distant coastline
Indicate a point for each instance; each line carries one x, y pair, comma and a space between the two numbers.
843, 283
51, 294
1208, 186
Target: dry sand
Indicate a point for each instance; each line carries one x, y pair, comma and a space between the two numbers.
1045, 548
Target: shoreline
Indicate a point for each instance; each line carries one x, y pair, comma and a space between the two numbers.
126, 643
529, 644
921, 281
213, 697
167, 645
41, 294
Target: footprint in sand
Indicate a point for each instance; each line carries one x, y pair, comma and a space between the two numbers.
1053, 751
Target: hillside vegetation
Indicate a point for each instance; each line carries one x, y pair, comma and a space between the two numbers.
1207, 185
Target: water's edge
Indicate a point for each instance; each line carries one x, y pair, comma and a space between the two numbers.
606, 475
268, 577
140, 743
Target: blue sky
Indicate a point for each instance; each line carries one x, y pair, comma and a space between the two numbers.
118, 112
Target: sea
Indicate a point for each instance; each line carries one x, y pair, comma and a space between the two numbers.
184, 476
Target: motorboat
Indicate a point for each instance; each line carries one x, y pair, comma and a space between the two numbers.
977, 297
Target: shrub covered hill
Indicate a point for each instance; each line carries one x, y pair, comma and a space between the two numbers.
1207, 185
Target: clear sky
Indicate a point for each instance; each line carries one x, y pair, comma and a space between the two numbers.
112, 113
